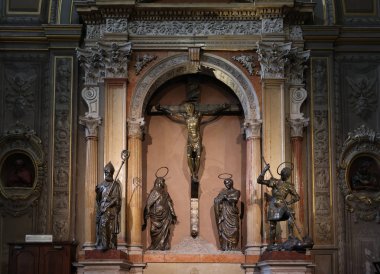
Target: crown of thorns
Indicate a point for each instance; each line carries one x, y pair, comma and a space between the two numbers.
161, 168
224, 176
283, 165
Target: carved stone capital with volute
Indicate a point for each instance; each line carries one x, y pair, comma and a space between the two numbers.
136, 127
297, 126
298, 95
252, 128
272, 58
90, 95
91, 125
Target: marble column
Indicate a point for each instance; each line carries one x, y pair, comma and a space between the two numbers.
91, 179
134, 186
253, 190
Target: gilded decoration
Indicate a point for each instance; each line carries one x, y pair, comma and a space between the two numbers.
22, 169
359, 174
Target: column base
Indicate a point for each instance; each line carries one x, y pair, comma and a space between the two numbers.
284, 262
104, 262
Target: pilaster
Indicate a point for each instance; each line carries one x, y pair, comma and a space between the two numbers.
134, 186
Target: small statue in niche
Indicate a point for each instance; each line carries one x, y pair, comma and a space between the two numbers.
108, 205
279, 208
160, 210
227, 214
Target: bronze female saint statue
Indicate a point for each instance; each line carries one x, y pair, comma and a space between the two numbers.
159, 208
227, 215
279, 208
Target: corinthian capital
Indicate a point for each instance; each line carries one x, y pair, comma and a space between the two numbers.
136, 127
272, 58
104, 60
252, 128
296, 66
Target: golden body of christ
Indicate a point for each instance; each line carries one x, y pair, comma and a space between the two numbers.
193, 120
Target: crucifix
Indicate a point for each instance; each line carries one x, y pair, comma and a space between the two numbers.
191, 114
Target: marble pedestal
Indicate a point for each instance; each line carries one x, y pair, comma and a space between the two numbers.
104, 262
284, 262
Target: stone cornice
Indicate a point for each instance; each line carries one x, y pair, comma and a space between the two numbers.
42, 36
95, 13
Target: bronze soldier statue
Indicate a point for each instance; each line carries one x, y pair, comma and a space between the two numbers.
227, 216
279, 208
159, 208
108, 202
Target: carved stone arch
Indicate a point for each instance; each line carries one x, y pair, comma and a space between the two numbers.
178, 65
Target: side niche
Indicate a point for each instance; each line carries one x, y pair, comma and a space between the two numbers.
22, 169
359, 173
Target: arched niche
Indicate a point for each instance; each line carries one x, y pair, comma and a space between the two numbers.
177, 65
236, 82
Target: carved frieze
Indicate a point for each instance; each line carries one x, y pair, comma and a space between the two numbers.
272, 25
272, 58
194, 28
116, 25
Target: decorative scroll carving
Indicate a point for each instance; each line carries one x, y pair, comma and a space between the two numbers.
272, 58
62, 147
297, 96
141, 62
21, 144
323, 227
272, 25
194, 28
247, 61
104, 60
363, 98
296, 120
359, 174
91, 96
